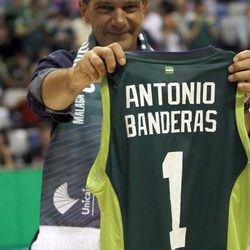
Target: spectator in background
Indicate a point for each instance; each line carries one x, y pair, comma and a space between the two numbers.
6, 158
20, 67
7, 45
3, 2
183, 16
244, 29
24, 117
80, 28
201, 31
171, 39
233, 25
38, 143
29, 28
60, 32
155, 5
152, 26
58, 4
6, 79
14, 9
73, 7
21, 113
5, 119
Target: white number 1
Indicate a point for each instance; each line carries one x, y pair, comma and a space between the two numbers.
172, 168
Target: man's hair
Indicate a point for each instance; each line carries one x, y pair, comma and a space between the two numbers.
87, 1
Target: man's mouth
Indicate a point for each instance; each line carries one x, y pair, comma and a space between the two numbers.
119, 33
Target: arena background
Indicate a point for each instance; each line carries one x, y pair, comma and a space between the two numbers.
29, 30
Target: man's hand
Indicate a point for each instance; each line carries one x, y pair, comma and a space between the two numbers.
61, 86
98, 62
240, 71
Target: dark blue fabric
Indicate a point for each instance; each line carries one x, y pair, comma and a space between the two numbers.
57, 59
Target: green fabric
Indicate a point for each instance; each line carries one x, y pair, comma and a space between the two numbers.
19, 206
99, 184
239, 215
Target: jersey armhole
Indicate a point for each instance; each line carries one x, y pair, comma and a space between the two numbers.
97, 174
238, 226
240, 121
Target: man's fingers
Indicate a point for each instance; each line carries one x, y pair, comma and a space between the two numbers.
242, 56
240, 65
118, 52
240, 72
240, 76
97, 63
88, 69
240, 68
245, 87
247, 94
100, 60
109, 57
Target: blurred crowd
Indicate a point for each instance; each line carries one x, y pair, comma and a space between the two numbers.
31, 29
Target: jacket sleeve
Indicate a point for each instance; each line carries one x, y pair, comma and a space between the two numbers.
57, 59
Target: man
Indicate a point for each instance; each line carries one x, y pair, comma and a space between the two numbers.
69, 214
63, 84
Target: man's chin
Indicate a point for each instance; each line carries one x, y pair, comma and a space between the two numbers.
126, 41
127, 44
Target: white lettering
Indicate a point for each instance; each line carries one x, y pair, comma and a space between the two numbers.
145, 95
131, 96
154, 123
198, 121
142, 127
211, 121
186, 120
174, 93
130, 126
159, 87
208, 93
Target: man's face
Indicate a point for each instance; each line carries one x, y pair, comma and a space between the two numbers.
115, 21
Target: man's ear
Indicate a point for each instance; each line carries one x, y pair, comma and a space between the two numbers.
83, 8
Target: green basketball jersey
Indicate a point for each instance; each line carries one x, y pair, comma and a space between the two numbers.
173, 171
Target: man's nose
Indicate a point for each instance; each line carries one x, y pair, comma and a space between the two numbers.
118, 18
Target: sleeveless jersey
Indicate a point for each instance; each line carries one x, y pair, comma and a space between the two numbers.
172, 171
